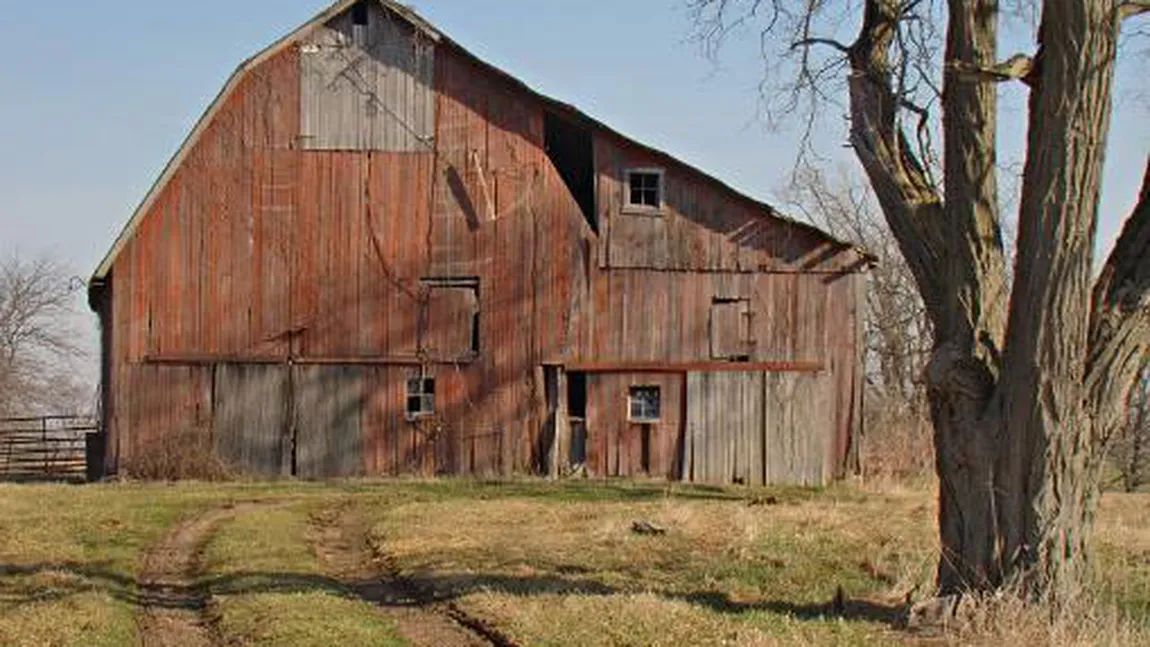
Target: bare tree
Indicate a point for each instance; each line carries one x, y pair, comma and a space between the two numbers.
897, 331
1028, 380
38, 338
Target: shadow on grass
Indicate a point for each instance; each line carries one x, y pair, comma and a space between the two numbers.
79, 579
590, 490
449, 588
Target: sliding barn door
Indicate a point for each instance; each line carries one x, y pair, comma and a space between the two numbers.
724, 436
758, 428
329, 405
251, 423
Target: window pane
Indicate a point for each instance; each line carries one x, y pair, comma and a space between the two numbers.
645, 403
413, 386
413, 405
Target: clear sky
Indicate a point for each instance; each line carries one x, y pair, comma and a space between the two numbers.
95, 96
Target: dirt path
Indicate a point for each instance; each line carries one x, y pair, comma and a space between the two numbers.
174, 609
340, 538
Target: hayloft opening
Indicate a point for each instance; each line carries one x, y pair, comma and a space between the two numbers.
571, 149
731, 329
450, 325
359, 13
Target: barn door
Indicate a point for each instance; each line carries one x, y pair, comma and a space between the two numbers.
328, 405
724, 435
252, 427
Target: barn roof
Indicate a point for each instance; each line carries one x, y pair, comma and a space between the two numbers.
440, 39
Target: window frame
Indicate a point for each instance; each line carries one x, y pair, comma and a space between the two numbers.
644, 209
422, 393
431, 284
646, 419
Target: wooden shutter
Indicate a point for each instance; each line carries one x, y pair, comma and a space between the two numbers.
730, 329
451, 321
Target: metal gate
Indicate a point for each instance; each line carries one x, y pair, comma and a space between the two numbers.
47, 448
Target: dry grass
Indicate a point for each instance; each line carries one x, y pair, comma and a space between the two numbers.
552, 570
187, 455
725, 573
899, 442
548, 564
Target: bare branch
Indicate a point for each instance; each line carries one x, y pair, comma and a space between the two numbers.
1120, 322
37, 338
829, 42
1133, 8
1019, 67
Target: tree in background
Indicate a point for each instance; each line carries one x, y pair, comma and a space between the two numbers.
39, 342
1028, 379
897, 331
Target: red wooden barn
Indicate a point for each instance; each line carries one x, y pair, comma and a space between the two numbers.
376, 254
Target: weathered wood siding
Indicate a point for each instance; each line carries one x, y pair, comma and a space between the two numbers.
615, 445
367, 87
262, 250
251, 422
758, 428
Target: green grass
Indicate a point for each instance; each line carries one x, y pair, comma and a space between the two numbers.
268, 587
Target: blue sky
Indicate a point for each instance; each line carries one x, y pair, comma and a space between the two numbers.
96, 96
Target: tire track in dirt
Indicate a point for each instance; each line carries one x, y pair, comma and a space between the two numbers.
340, 539
174, 608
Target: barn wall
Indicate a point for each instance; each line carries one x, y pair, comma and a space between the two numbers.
261, 249
615, 445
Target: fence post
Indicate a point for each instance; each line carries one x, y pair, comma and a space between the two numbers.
44, 440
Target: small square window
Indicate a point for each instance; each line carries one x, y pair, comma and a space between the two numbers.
645, 404
645, 189
420, 397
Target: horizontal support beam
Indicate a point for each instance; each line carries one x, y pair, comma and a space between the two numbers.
209, 360
693, 367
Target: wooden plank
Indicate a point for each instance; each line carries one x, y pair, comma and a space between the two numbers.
329, 403
367, 87
252, 429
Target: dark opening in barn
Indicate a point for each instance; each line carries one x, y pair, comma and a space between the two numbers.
571, 149
577, 411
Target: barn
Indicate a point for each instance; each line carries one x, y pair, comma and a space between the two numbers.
376, 254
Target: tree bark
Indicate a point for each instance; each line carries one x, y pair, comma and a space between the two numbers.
1022, 391
1044, 491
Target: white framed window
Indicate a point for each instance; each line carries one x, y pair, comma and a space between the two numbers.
420, 397
643, 190
644, 404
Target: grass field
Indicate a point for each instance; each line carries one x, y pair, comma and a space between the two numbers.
530, 563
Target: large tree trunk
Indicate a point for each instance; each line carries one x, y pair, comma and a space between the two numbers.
1018, 404
1044, 492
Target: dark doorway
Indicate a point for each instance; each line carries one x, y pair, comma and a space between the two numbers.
645, 433
570, 148
577, 412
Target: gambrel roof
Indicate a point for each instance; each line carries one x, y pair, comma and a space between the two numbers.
438, 38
